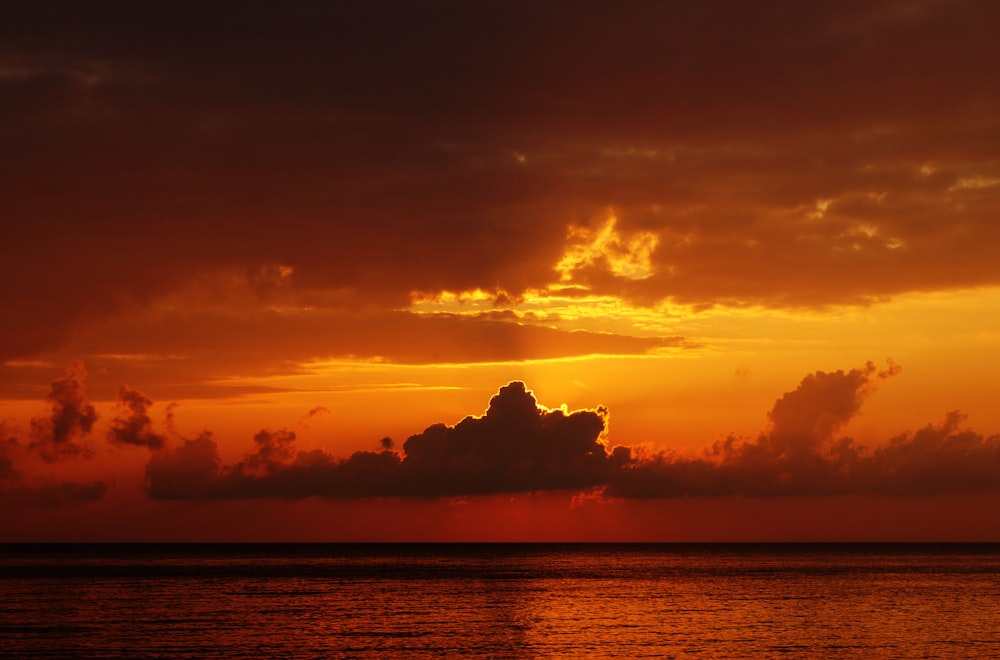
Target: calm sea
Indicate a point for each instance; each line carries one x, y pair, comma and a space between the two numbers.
500, 601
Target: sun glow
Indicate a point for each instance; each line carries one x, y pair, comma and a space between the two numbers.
625, 256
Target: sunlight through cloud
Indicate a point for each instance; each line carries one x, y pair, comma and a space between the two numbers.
629, 257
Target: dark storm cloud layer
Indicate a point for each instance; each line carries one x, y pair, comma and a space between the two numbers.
783, 152
518, 447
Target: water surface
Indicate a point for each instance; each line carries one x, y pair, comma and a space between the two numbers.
497, 600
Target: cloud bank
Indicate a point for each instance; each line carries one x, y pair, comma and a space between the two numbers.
516, 446
801, 454
519, 446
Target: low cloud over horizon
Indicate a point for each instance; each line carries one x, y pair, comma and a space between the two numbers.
520, 446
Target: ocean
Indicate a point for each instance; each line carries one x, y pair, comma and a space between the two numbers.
500, 601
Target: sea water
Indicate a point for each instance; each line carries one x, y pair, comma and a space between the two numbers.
500, 601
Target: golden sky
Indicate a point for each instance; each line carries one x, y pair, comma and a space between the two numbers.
500, 271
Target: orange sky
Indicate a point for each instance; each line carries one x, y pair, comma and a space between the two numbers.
279, 274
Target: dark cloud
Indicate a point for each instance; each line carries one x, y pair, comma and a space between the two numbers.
802, 455
194, 471
72, 417
318, 410
43, 492
517, 446
19, 488
185, 472
796, 456
9, 445
133, 426
808, 416
380, 149
942, 458
274, 449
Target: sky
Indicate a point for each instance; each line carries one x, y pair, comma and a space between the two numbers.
500, 271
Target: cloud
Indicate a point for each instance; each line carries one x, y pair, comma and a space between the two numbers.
396, 172
19, 488
274, 449
45, 492
133, 426
193, 471
516, 446
185, 472
802, 455
72, 417
801, 420
8, 446
318, 410
197, 350
939, 458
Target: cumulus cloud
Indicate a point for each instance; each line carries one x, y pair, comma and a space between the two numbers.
71, 418
19, 488
185, 472
801, 454
937, 459
133, 425
519, 446
274, 448
276, 469
809, 415
515, 446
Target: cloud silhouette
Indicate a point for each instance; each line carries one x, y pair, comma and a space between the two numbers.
519, 446
822, 403
134, 426
72, 417
189, 471
194, 471
937, 459
19, 488
801, 455
515, 446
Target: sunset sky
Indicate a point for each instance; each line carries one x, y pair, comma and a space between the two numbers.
671, 271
